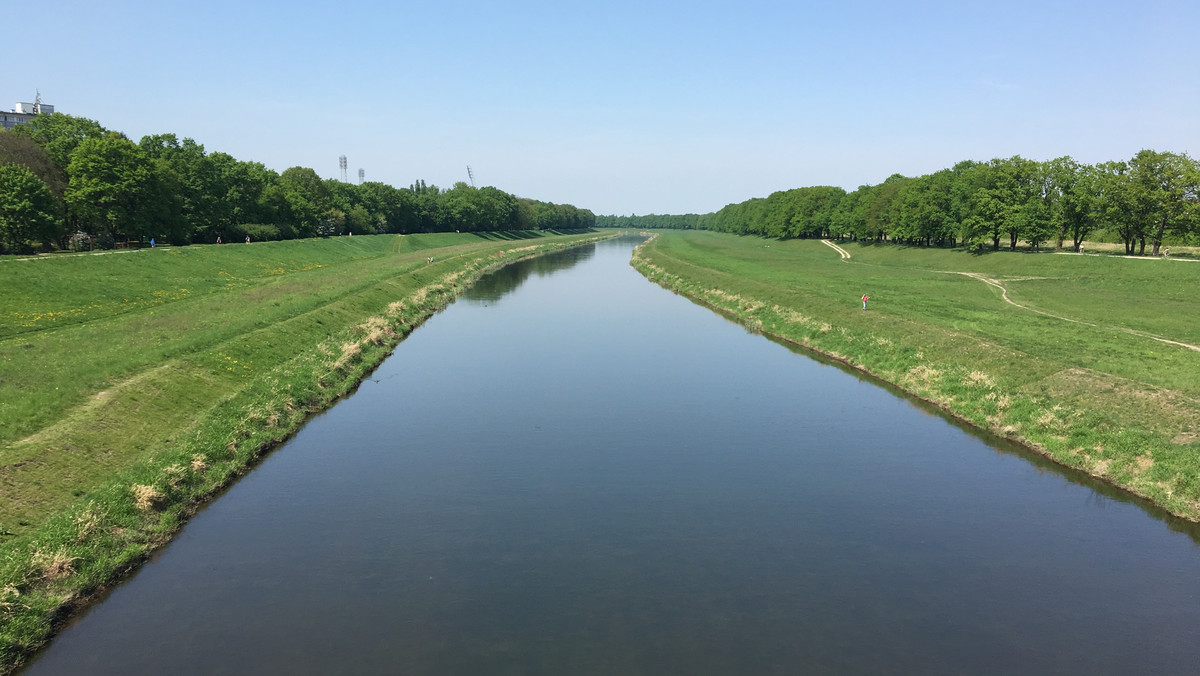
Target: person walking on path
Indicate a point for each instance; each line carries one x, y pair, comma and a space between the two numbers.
865, 297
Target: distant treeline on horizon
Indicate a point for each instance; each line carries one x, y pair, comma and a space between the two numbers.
978, 205
68, 182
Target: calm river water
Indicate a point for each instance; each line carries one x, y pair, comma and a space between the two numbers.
572, 471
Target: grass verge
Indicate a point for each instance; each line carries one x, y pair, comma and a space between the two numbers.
126, 410
1087, 360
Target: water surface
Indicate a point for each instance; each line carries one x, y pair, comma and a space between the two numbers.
571, 470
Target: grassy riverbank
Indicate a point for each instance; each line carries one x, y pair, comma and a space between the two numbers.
135, 385
1093, 361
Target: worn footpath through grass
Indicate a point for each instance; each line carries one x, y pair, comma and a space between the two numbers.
134, 387
1092, 361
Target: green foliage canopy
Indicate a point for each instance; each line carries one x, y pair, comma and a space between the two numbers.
979, 205
28, 210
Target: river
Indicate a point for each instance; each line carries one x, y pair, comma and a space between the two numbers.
573, 471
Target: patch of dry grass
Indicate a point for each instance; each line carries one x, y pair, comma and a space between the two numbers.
979, 379
350, 352
1143, 463
8, 599
419, 296
924, 375
87, 522
145, 497
54, 566
377, 331
174, 476
1049, 419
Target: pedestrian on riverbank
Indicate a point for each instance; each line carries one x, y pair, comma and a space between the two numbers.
865, 297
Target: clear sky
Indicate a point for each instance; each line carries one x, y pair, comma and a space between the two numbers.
622, 107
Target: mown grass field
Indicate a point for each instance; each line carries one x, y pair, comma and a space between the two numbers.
135, 385
1077, 366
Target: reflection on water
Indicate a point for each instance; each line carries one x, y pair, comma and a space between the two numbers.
1102, 490
507, 279
590, 475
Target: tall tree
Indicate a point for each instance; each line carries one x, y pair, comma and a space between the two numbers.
1078, 207
23, 150
28, 210
498, 209
1117, 205
1167, 188
309, 204
116, 189
458, 209
202, 190
60, 134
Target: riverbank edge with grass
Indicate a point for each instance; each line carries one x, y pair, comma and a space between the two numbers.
1118, 453
79, 553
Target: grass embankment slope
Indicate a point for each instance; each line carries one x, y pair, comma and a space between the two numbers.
134, 385
1091, 361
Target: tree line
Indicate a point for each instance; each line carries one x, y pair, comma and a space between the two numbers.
979, 205
68, 182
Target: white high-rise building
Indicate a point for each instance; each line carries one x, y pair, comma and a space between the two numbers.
23, 112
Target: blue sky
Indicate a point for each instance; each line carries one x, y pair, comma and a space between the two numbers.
623, 107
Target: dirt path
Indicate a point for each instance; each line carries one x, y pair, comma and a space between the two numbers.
74, 255
845, 254
1004, 295
1147, 257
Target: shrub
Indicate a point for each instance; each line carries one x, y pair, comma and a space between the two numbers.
80, 241
258, 232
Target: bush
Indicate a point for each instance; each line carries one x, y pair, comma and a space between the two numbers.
258, 232
80, 241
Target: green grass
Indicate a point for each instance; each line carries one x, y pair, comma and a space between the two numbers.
1076, 373
164, 373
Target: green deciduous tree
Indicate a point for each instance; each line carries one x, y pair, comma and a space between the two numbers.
245, 185
1079, 190
23, 150
1117, 206
116, 189
1166, 188
203, 190
307, 200
60, 134
28, 210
